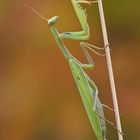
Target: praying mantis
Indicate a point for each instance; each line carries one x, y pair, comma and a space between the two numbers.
87, 88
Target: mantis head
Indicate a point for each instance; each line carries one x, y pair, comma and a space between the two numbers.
52, 20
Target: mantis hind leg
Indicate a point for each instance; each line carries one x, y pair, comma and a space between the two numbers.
109, 122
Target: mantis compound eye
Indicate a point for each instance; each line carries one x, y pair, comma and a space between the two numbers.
52, 20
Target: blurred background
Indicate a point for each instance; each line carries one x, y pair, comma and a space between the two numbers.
38, 96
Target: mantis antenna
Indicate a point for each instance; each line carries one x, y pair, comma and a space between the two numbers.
36, 12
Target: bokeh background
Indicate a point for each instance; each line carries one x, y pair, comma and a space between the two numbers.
38, 96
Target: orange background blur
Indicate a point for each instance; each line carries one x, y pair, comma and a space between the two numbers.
38, 96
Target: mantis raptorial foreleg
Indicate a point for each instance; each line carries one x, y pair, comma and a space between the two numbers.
84, 34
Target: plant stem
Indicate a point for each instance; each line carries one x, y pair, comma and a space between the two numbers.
110, 69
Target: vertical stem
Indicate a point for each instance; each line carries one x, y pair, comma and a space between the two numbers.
110, 70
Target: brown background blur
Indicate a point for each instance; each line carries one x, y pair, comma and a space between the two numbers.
38, 96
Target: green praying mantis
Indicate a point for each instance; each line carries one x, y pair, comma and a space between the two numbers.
87, 88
